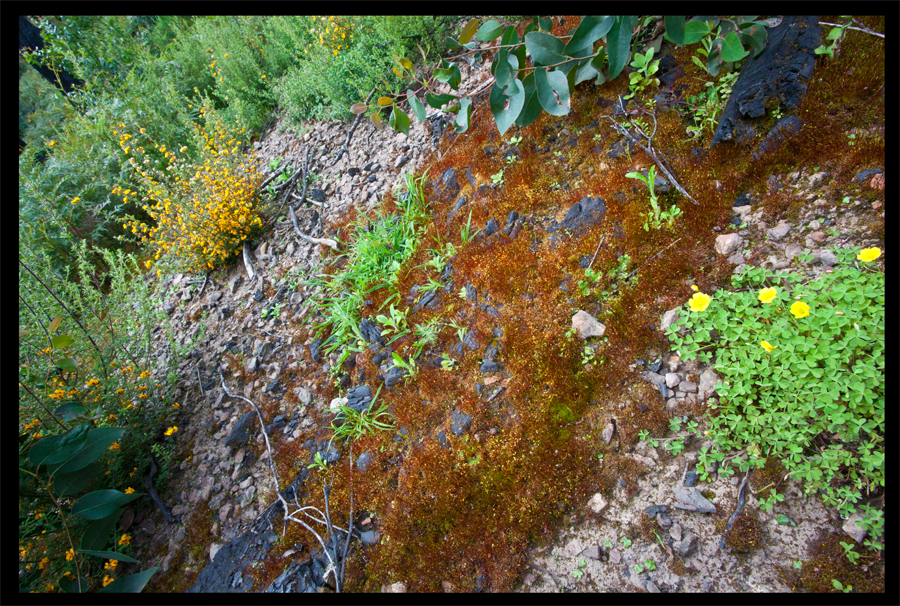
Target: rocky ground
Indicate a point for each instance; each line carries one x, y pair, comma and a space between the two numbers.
218, 478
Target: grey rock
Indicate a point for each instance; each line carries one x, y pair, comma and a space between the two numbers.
857, 533
828, 258
607, 434
614, 556
736, 259
252, 365
689, 498
461, 422
668, 318
686, 546
369, 537
792, 250
655, 378
240, 435
587, 326
663, 519
303, 395
707, 385
675, 531
727, 244
779, 231
598, 503
651, 587
687, 386
672, 379
213, 296
592, 552
363, 461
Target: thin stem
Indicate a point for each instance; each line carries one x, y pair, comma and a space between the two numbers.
41, 404
859, 29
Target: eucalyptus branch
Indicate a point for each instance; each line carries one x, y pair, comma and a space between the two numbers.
862, 27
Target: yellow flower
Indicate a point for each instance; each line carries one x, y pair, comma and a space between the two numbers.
129, 490
43, 563
51, 144
800, 309
695, 288
699, 301
38, 516
869, 254
115, 446
107, 580
111, 565
70, 554
767, 346
171, 430
76, 200
125, 539
767, 294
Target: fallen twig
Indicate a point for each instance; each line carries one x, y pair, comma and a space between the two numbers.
596, 251
345, 149
653, 257
547, 572
287, 192
742, 498
325, 241
200, 381
648, 149
247, 264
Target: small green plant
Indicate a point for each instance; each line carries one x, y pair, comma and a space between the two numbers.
588, 355
448, 362
638, 568
592, 276
838, 585
848, 551
578, 573
318, 463
409, 366
645, 67
707, 106
645, 436
465, 232
273, 311
836, 36
650, 564
497, 179
352, 424
851, 139
515, 140
608, 544
626, 542
656, 217
798, 359
395, 322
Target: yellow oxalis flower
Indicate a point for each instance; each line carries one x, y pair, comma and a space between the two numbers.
699, 301
869, 254
800, 309
767, 346
767, 294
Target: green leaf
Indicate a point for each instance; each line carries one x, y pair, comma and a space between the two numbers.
489, 31
732, 49
468, 31
674, 29
585, 71
71, 585
101, 503
464, 115
67, 364
76, 481
71, 410
399, 121
544, 48
532, 106
97, 535
97, 442
54, 324
109, 555
503, 74
451, 43
552, 91
131, 584
507, 108
438, 101
416, 105
588, 32
55, 449
695, 31
618, 44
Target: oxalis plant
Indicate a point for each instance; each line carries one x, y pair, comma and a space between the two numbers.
802, 368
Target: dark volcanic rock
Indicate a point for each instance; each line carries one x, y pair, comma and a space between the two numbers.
583, 215
783, 130
447, 185
240, 435
779, 74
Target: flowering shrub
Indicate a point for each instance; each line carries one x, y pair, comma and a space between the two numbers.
802, 367
203, 211
334, 33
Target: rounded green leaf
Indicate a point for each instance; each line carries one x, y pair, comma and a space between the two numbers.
489, 31
463, 116
56, 449
438, 101
588, 32
732, 49
71, 585
98, 533
67, 364
544, 48
416, 105
76, 481
506, 108
618, 44
532, 106
101, 503
451, 43
468, 31
695, 31
399, 121
552, 91
97, 442
675, 29
131, 584
71, 410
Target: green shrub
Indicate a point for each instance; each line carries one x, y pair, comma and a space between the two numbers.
88, 413
802, 368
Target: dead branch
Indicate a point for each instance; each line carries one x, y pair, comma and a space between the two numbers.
324, 241
248, 265
345, 149
648, 149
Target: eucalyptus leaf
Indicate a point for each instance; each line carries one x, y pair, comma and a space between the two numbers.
101, 503
618, 44
416, 106
507, 108
588, 32
489, 31
552, 91
545, 49
131, 584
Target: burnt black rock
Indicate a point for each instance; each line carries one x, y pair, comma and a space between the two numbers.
314, 352
359, 398
780, 73
353, 171
867, 174
461, 422
240, 435
782, 131
317, 194
491, 228
371, 332
581, 216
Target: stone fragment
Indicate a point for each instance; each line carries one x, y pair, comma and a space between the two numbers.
686, 546
614, 556
303, 395
727, 244
213, 550
828, 258
592, 552
213, 296
598, 503
607, 434
779, 231
707, 385
687, 386
689, 498
857, 533
675, 531
574, 546
672, 379
587, 326
644, 460
668, 319
792, 250
818, 236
